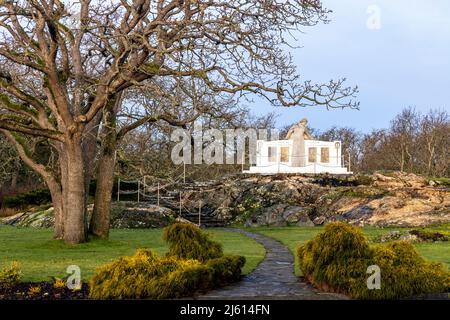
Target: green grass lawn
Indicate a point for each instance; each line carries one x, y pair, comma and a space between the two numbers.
294, 236
40, 257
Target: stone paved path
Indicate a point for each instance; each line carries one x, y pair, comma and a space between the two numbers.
274, 277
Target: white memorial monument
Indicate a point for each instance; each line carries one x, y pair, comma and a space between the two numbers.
299, 153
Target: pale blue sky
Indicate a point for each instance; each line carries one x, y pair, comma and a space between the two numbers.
405, 63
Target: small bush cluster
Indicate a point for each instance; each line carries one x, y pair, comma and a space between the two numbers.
363, 180
334, 259
145, 275
247, 209
404, 273
225, 270
10, 276
195, 264
34, 291
440, 182
186, 241
413, 236
351, 181
429, 235
59, 283
337, 260
36, 197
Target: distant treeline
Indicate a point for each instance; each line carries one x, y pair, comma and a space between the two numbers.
414, 142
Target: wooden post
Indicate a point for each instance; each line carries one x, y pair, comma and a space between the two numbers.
180, 205
158, 194
118, 190
200, 214
278, 159
349, 161
139, 189
143, 190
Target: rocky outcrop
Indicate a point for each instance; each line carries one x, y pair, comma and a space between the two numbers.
280, 215
414, 236
131, 215
381, 199
38, 219
124, 215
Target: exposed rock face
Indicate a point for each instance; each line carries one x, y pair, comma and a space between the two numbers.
38, 219
280, 215
394, 199
397, 235
128, 215
413, 236
124, 215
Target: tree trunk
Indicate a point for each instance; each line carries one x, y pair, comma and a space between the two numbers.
90, 150
75, 193
430, 159
402, 163
58, 192
14, 182
102, 205
100, 219
58, 209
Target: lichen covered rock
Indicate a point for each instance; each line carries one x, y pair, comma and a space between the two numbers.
140, 216
37, 219
381, 199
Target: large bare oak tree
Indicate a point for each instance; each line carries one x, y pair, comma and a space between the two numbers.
64, 64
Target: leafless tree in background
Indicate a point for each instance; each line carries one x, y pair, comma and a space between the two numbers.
414, 142
433, 143
351, 140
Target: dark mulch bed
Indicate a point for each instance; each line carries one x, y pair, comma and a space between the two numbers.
21, 291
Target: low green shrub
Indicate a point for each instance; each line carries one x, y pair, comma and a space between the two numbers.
145, 275
363, 180
187, 241
337, 260
183, 282
404, 273
10, 276
348, 181
441, 182
429, 235
35, 198
193, 263
226, 269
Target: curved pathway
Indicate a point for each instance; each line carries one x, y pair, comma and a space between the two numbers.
273, 278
